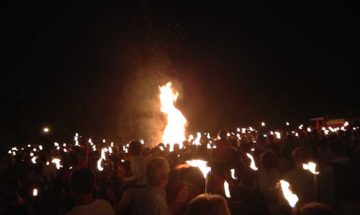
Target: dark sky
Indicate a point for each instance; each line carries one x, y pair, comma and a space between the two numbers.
68, 64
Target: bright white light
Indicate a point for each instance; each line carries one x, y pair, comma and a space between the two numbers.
263, 124
33, 159
46, 129
252, 164
287, 123
76, 139
226, 189
311, 167
57, 162
288, 194
233, 174
35, 192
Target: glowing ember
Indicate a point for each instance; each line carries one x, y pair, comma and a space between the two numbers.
288, 194
252, 164
310, 166
35, 192
226, 189
201, 164
174, 131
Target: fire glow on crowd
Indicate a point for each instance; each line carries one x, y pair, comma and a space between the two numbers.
201, 151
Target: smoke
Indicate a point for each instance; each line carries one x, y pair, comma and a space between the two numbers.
140, 115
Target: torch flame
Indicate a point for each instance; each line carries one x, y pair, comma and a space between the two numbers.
311, 166
288, 194
226, 189
197, 140
56, 161
174, 131
99, 166
35, 192
252, 164
201, 164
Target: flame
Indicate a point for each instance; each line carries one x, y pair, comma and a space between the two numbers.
174, 131
35, 192
278, 135
76, 139
226, 189
288, 194
201, 164
197, 140
57, 162
99, 166
233, 174
311, 166
252, 164
33, 159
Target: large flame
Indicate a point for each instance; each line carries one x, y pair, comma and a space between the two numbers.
174, 131
288, 194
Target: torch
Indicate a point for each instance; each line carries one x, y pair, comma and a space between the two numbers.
203, 167
290, 197
311, 167
254, 167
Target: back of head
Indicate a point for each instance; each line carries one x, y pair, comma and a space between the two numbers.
157, 170
135, 148
300, 155
208, 204
316, 208
82, 181
223, 134
269, 160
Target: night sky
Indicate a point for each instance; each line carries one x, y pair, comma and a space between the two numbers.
72, 65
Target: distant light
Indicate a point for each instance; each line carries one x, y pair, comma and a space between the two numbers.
263, 124
301, 126
287, 123
46, 130
308, 129
35, 192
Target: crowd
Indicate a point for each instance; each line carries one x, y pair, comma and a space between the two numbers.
85, 178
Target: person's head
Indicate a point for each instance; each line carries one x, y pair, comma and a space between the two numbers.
135, 148
300, 155
157, 171
223, 134
82, 183
269, 160
120, 171
208, 204
316, 208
